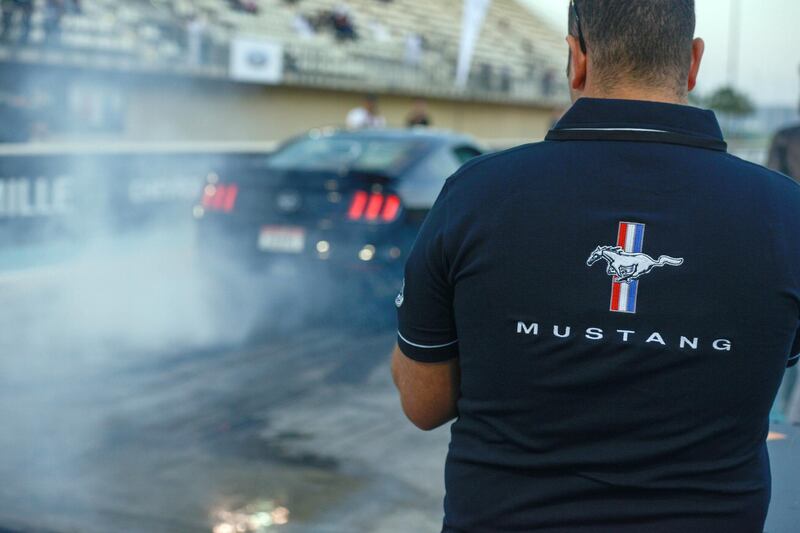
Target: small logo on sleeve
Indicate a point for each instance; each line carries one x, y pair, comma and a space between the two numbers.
400, 298
626, 264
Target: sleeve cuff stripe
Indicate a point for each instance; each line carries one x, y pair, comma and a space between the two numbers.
423, 346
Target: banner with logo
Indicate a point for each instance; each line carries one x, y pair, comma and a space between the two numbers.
471, 24
256, 61
76, 195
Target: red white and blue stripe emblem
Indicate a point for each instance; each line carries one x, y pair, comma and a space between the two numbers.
623, 295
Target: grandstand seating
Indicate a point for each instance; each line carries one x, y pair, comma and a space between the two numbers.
515, 58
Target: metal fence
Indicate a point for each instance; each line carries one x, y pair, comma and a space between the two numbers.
347, 66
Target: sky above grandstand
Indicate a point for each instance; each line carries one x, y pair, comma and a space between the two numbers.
769, 46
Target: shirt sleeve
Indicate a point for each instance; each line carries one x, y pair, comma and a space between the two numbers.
426, 325
794, 357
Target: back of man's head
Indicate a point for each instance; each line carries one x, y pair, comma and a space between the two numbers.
644, 43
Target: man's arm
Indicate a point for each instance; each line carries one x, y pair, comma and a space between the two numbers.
425, 363
776, 160
428, 391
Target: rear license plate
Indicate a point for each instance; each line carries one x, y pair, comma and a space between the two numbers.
283, 239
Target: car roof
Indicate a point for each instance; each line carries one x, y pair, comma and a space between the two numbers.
432, 135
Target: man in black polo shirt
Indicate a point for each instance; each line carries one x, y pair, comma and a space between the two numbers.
784, 152
607, 314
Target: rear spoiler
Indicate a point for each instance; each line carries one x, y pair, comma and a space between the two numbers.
380, 178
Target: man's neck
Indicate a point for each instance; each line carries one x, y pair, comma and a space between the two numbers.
648, 94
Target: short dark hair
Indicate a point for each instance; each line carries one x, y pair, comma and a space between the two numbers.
644, 41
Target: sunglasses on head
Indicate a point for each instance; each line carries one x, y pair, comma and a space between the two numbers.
581, 40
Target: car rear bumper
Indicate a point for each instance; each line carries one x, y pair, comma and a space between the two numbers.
378, 250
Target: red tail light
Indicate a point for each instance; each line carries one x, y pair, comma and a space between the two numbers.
230, 198
374, 207
220, 197
390, 208
357, 205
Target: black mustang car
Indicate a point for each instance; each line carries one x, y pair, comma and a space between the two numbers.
340, 200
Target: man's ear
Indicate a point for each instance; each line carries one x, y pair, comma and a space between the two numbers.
698, 48
577, 67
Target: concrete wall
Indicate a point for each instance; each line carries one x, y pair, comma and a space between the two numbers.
181, 110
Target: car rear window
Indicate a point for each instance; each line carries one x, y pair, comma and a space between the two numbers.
385, 156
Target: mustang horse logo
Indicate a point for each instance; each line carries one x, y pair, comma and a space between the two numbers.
628, 266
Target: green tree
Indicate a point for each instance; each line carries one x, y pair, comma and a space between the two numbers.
729, 101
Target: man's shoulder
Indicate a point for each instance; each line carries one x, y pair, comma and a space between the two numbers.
792, 132
772, 180
498, 164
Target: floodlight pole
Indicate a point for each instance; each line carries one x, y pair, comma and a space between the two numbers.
734, 41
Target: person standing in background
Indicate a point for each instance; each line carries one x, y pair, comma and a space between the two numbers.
366, 116
784, 154
419, 116
784, 157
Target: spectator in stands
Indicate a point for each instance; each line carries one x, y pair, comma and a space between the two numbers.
321, 20
290, 63
548, 82
248, 6
419, 115
25, 9
366, 115
379, 31
303, 26
413, 49
197, 44
485, 76
54, 11
505, 78
343, 23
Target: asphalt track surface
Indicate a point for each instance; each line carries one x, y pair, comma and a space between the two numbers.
125, 408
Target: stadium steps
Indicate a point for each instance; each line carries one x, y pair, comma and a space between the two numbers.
514, 41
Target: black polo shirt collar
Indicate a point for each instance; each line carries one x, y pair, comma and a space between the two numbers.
591, 119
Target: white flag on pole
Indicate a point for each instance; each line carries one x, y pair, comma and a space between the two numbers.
471, 24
